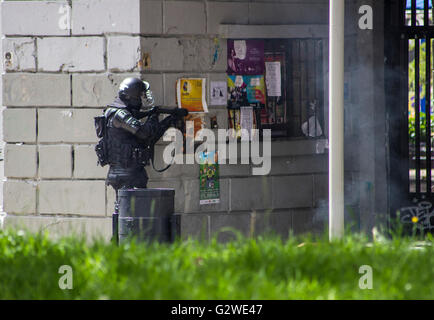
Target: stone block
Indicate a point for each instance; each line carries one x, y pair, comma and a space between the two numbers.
197, 54
151, 17
313, 221
20, 161
105, 16
234, 170
55, 161
270, 223
110, 203
194, 226
250, 193
184, 17
43, 18
292, 192
174, 171
19, 54
237, 157
72, 197
299, 164
85, 163
294, 13
93, 229
27, 89
227, 227
271, 31
123, 53
222, 118
174, 184
321, 190
225, 13
165, 54
94, 90
98, 90
19, 125
67, 125
192, 197
219, 53
298, 147
19, 197
72, 54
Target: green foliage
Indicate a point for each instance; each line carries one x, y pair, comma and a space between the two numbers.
422, 128
263, 268
411, 91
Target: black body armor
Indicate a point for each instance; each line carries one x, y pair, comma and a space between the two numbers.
130, 144
127, 144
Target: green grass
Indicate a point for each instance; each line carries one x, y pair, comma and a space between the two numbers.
245, 269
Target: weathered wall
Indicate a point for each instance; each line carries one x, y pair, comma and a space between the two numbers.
59, 78
365, 118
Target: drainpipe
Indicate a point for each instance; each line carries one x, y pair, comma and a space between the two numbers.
336, 119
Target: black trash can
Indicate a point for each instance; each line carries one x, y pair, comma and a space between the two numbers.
146, 214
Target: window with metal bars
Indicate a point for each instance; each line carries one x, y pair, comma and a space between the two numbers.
299, 111
417, 18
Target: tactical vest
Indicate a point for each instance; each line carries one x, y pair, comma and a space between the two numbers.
123, 148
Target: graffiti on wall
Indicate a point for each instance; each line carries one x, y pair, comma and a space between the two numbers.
422, 215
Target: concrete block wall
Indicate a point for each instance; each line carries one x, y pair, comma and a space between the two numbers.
65, 64
61, 68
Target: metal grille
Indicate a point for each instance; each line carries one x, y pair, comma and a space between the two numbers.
418, 30
299, 111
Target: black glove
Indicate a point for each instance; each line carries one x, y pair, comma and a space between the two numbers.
181, 113
153, 118
169, 121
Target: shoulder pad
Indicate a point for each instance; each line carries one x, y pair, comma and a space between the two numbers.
122, 114
109, 112
124, 119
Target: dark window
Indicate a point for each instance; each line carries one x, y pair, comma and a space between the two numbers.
298, 112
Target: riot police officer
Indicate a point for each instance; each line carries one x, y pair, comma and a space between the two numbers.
127, 144
130, 142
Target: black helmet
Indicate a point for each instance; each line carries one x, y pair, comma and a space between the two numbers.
132, 90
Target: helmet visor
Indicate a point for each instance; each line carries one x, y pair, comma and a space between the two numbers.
147, 99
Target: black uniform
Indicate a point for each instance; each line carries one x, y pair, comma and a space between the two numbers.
130, 144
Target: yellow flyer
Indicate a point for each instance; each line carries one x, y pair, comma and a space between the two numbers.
190, 94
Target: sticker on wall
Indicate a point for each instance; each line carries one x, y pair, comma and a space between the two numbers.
245, 57
191, 94
246, 122
246, 91
234, 119
209, 184
198, 119
218, 93
273, 78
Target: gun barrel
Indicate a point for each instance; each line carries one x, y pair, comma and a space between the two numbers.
160, 110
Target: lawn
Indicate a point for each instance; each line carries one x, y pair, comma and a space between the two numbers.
262, 268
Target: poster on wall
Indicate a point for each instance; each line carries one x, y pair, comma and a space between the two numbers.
275, 108
191, 94
245, 57
246, 91
273, 78
198, 119
241, 118
218, 93
234, 118
246, 122
209, 185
